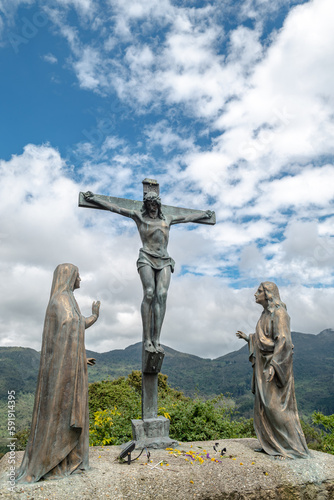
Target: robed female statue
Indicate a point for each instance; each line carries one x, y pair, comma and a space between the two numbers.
59, 438
276, 420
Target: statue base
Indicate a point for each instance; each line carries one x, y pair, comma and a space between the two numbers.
152, 433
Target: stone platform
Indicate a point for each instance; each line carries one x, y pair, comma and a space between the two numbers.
241, 474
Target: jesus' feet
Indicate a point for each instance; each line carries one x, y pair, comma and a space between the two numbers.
148, 345
158, 347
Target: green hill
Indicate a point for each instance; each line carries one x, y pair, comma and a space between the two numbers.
313, 369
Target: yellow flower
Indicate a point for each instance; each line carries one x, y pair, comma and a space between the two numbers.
233, 458
241, 463
252, 463
192, 482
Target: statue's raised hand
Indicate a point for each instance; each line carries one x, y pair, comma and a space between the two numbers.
242, 335
96, 308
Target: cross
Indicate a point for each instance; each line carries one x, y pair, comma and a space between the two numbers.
149, 185
155, 267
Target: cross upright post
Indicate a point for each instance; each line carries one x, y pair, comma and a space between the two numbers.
155, 267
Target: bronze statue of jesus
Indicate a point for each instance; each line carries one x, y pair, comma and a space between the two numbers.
154, 264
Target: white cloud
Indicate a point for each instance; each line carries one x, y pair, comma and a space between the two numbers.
82, 6
86, 68
50, 58
313, 186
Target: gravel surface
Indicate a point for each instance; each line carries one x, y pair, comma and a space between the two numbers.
240, 474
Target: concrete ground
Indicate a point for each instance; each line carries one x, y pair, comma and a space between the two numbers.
192, 470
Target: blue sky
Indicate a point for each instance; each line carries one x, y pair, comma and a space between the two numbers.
229, 105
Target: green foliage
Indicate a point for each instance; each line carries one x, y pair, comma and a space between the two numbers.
22, 439
24, 404
109, 428
114, 403
110, 393
327, 422
112, 406
312, 435
202, 420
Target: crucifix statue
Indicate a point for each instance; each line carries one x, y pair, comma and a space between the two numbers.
154, 265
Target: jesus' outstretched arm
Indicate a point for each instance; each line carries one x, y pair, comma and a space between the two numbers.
95, 198
193, 217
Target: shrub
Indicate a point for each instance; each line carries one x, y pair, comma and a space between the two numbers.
327, 422
116, 403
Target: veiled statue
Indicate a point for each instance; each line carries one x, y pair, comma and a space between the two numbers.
276, 420
59, 438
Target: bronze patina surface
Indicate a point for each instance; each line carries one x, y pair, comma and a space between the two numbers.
59, 438
154, 264
155, 267
276, 419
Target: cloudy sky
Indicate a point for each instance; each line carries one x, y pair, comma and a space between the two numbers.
229, 105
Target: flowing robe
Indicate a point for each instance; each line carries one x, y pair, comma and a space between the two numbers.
59, 436
276, 420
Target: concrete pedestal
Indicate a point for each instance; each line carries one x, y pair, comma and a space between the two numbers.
152, 433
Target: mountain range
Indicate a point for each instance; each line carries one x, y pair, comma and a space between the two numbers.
228, 374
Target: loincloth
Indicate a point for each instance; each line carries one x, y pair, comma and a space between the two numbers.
155, 262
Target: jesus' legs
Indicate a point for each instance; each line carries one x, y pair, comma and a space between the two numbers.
162, 281
153, 307
147, 276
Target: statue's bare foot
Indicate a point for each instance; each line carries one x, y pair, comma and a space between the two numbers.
159, 348
149, 347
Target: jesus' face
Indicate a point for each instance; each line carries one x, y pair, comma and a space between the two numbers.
152, 208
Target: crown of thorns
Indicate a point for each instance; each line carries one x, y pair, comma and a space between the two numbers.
152, 196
